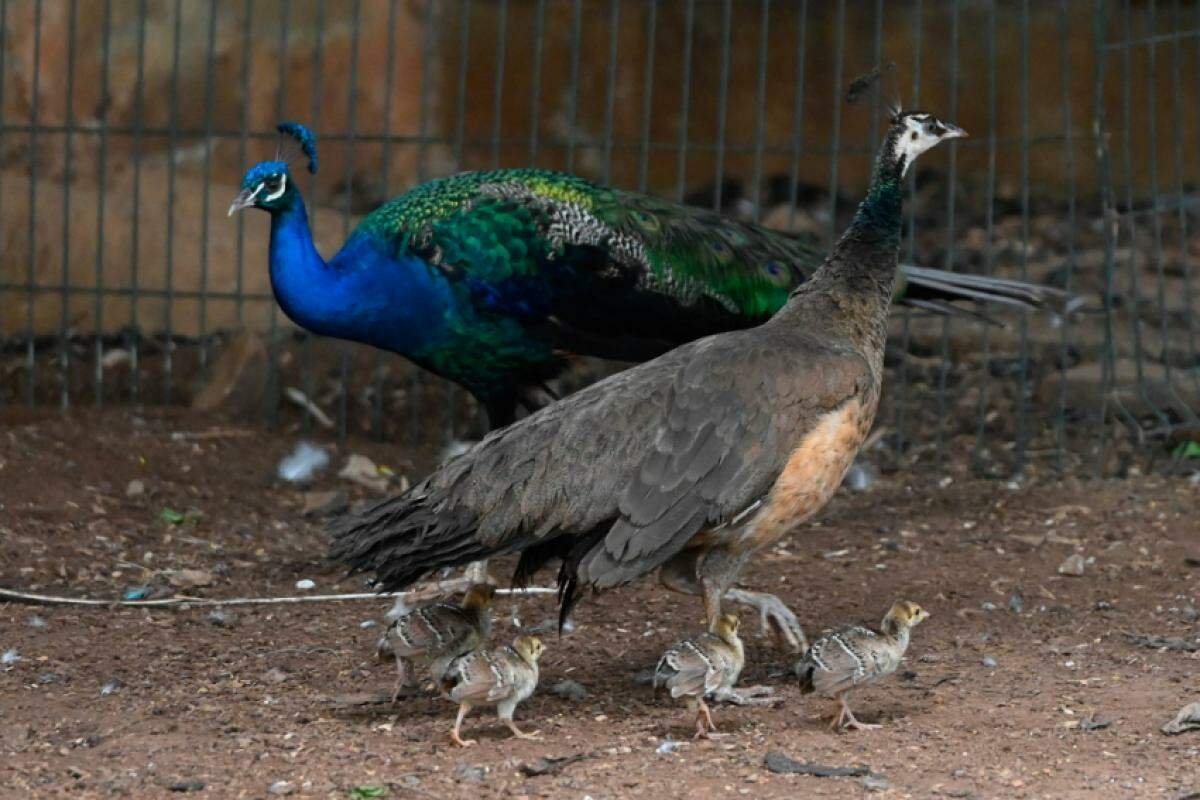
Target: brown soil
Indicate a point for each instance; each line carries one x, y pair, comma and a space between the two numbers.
240, 705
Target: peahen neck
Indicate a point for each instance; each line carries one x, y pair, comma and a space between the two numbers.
852, 290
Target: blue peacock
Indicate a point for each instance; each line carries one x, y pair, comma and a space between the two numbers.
494, 279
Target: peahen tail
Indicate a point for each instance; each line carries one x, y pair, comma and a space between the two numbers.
935, 290
406, 537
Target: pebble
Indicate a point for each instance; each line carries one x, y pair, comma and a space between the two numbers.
1072, 566
37, 623
305, 584
875, 783
281, 788
569, 689
135, 488
10, 657
989, 662
470, 773
186, 786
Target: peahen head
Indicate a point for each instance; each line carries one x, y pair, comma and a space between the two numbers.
912, 133
269, 184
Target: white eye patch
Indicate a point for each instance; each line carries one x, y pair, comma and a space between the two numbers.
278, 193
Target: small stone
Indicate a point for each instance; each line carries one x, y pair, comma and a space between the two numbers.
190, 578
275, 675
1016, 604
469, 773
989, 662
570, 690
1072, 566
37, 623
281, 788
10, 657
875, 783
324, 504
135, 488
221, 618
305, 584
110, 688
192, 785
988, 605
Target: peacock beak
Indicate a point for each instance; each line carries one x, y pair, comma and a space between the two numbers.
245, 199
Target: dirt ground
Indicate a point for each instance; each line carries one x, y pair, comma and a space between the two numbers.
252, 701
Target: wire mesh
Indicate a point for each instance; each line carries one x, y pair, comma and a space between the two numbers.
125, 124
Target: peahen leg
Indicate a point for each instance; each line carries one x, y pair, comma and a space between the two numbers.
711, 573
845, 717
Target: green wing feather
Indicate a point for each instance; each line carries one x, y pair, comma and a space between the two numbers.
512, 223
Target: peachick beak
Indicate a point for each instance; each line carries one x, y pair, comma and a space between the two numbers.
953, 132
244, 199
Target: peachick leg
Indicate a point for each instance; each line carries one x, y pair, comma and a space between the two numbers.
845, 717
517, 732
455, 735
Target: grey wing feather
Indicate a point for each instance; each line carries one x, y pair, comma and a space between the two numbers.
721, 446
655, 454
694, 668
480, 677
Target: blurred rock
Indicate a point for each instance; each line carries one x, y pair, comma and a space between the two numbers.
238, 378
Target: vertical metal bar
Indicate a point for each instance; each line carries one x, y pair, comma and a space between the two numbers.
573, 97
1177, 142
173, 127
535, 92
377, 372
139, 123
416, 378
31, 231
647, 96
760, 97
902, 387
989, 234
1064, 68
427, 34
64, 344
1022, 421
464, 54
243, 140
498, 85
951, 197
3, 120
1131, 219
685, 103
101, 194
275, 379
877, 58
318, 92
1110, 224
351, 152
722, 101
798, 117
209, 90
610, 92
835, 125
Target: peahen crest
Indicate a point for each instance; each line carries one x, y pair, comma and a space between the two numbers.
304, 137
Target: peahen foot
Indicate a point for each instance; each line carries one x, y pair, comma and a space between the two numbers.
776, 618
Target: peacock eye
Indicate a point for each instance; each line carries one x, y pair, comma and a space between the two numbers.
271, 184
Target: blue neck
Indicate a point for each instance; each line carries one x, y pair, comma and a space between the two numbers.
363, 293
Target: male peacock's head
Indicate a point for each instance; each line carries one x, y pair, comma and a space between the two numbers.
914, 132
269, 185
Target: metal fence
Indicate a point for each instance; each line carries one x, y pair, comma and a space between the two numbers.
126, 125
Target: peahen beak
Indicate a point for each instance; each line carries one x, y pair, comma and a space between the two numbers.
953, 131
245, 199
